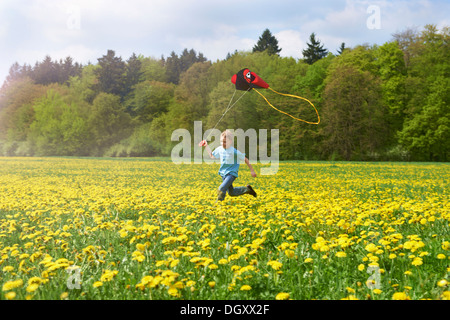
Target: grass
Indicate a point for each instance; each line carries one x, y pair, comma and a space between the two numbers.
150, 229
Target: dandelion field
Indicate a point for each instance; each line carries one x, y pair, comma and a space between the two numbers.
150, 229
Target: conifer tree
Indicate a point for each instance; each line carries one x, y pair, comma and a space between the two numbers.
315, 50
267, 42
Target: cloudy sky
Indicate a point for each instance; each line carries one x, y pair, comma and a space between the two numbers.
86, 29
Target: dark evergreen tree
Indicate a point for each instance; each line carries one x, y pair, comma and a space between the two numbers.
111, 74
175, 65
267, 42
315, 50
133, 73
341, 48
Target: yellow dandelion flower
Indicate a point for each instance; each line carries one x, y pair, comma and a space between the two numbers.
289, 253
417, 262
8, 269
10, 295
246, 287
308, 260
172, 291
341, 254
446, 245
32, 287
212, 284
377, 291
275, 264
400, 296
282, 296
442, 283
10, 285
97, 284
441, 256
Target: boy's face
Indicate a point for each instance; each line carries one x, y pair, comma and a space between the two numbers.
226, 143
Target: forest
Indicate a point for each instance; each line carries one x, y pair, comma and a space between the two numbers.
383, 102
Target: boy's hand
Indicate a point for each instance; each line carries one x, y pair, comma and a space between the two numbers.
203, 143
253, 173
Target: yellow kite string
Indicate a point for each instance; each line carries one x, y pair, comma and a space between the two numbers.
293, 96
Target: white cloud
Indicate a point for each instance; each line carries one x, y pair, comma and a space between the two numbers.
291, 42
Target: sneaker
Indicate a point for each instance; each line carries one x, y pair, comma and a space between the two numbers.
251, 191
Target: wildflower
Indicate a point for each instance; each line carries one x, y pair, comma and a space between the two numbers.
341, 254
308, 260
32, 287
361, 267
97, 284
400, 296
10, 295
392, 256
274, 264
289, 253
441, 256
442, 283
245, 287
417, 262
446, 295
64, 295
282, 296
377, 291
371, 247
446, 245
8, 268
108, 275
173, 291
212, 284
10, 285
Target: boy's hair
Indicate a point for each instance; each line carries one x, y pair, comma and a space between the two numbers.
228, 134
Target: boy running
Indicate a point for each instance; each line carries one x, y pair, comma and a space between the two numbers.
230, 159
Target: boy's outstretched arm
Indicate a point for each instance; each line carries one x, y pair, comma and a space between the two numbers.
204, 143
250, 167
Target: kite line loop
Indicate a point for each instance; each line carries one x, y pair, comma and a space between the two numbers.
292, 96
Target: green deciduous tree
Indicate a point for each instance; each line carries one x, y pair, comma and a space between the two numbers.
353, 116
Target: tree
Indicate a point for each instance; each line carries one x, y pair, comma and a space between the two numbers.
111, 74
175, 65
108, 120
133, 74
341, 48
426, 135
267, 42
353, 113
60, 127
315, 50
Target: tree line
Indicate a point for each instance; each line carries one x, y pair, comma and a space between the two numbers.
376, 102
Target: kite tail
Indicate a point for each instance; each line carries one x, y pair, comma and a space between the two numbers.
293, 96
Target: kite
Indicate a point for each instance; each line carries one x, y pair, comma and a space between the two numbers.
246, 80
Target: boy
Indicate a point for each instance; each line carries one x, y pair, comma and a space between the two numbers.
230, 159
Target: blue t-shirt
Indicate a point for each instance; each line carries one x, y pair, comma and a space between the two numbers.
230, 160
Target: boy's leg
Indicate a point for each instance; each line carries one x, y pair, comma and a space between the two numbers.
234, 192
227, 182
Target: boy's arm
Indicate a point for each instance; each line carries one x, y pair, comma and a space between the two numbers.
203, 143
250, 167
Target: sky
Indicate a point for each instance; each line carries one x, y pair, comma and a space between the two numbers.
86, 29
